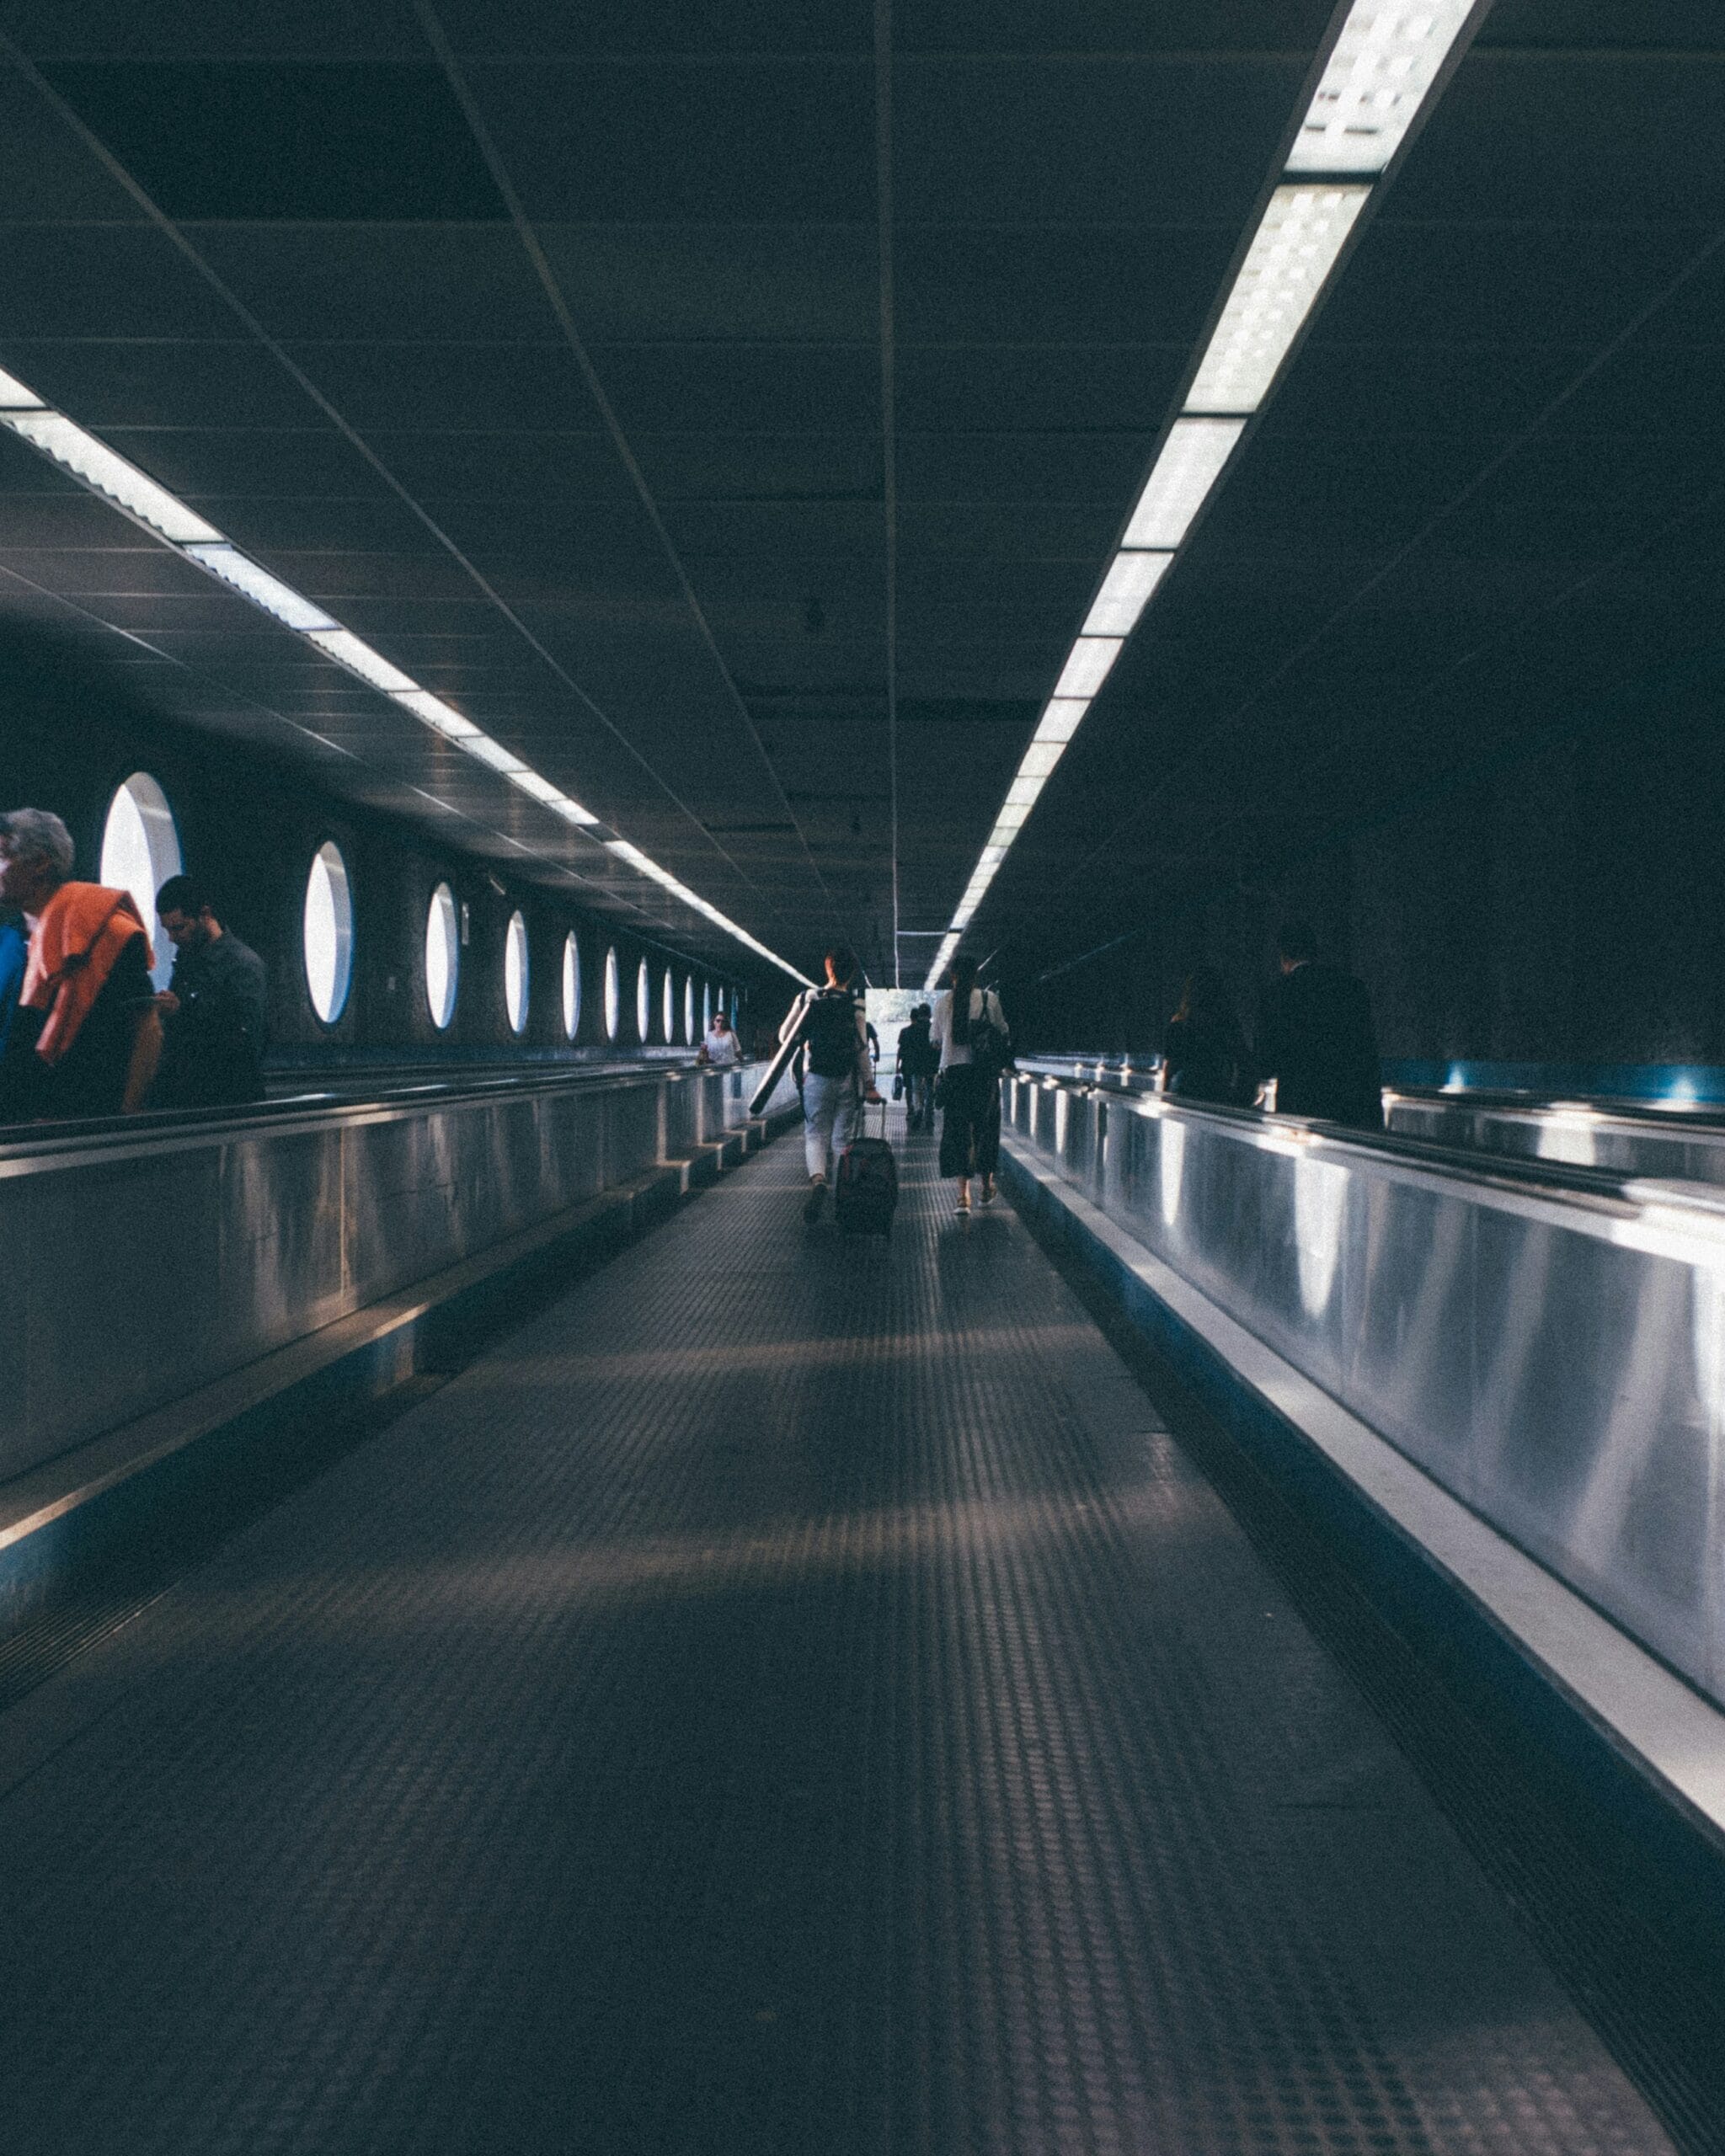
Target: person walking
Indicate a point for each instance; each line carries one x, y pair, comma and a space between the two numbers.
970, 1028
722, 1045
1204, 1056
215, 1011
1316, 1040
838, 1073
918, 1060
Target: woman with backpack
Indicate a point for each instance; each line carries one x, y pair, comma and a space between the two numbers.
838, 1069
970, 1031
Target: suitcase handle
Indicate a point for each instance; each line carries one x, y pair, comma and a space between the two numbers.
863, 1119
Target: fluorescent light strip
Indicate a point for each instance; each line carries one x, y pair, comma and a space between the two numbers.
105, 471
1190, 464
1291, 254
1087, 665
433, 712
1060, 719
1388, 56
258, 585
373, 669
1387, 59
1125, 592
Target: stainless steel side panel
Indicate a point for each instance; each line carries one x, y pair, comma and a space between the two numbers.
1555, 1361
157, 1266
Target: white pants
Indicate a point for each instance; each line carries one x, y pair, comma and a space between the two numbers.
829, 1119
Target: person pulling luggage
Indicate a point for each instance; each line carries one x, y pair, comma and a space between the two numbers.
831, 1021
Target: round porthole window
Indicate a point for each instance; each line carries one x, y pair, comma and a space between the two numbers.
689, 1010
515, 972
443, 955
571, 986
139, 851
643, 1003
613, 995
327, 933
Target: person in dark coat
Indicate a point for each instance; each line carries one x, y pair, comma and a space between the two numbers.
1205, 1055
1316, 1040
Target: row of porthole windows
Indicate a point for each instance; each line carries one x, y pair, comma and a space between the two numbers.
140, 850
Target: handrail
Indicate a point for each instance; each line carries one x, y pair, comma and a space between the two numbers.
23, 1141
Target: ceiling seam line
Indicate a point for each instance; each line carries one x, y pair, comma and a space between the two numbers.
535, 254
172, 231
889, 421
1487, 472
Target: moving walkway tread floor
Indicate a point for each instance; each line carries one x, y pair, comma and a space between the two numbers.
791, 1695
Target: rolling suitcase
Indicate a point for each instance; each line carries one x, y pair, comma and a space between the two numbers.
868, 1190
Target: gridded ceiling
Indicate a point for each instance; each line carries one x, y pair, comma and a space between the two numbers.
732, 407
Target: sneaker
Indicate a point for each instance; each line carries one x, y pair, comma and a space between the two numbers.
988, 1192
964, 1202
815, 1199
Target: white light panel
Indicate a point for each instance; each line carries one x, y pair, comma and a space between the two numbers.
1040, 759
1386, 59
540, 789
1060, 719
268, 592
1125, 591
106, 472
14, 396
347, 650
433, 712
1190, 464
484, 751
1087, 665
1292, 253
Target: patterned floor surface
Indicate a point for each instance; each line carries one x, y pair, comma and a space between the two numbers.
789, 1698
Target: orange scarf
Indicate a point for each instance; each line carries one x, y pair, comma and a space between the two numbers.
80, 933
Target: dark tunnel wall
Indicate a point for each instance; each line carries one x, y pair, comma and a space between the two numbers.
71, 738
1564, 907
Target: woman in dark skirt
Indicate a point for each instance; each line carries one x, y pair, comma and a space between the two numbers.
970, 1031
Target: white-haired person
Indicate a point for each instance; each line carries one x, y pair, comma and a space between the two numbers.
86, 1037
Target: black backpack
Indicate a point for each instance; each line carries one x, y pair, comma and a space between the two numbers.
990, 1049
831, 1031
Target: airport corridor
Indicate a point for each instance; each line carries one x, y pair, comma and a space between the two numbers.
790, 1696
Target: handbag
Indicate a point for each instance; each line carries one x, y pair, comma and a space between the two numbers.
898, 1084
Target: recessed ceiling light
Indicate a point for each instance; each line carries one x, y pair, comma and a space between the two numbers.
269, 592
1125, 589
1086, 666
1190, 464
1292, 253
484, 751
347, 650
436, 713
1387, 57
107, 473
1040, 759
1060, 719
542, 789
